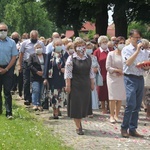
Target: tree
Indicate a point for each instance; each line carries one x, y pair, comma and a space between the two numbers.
143, 28
26, 17
120, 18
75, 12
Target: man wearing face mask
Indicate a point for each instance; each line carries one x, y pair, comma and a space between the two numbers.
50, 46
132, 54
8, 53
27, 48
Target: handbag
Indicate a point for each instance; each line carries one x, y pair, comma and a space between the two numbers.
99, 79
147, 79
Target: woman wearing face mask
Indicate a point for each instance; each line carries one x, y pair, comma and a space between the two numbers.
79, 83
53, 73
69, 50
95, 67
101, 54
36, 65
115, 79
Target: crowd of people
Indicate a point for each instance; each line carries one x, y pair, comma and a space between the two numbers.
72, 70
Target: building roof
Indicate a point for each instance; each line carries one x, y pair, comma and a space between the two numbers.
87, 26
69, 33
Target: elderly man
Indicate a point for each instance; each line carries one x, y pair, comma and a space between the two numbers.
26, 49
8, 53
18, 76
50, 47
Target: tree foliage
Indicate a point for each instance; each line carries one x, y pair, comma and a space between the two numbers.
24, 16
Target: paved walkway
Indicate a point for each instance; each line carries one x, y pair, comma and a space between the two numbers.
100, 134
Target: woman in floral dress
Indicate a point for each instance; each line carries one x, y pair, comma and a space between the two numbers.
54, 75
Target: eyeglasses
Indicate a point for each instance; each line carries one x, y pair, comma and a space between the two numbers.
136, 37
3, 29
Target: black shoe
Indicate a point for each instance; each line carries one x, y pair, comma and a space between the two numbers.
9, 115
27, 103
79, 131
55, 117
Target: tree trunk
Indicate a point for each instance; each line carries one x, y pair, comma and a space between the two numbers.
102, 20
75, 29
120, 20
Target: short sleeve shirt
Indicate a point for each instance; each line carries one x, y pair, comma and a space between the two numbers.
7, 50
127, 52
27, 47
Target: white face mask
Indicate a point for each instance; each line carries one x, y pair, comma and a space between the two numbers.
39, 50
58, 49
71, 51
89, 51
104, 46
56, 55
3, 34
121, 46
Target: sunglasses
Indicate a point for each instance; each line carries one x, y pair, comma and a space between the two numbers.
3, 29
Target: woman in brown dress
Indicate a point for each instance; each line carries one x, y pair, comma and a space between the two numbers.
79, 83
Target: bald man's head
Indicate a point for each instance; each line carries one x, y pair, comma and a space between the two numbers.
55, 35
34, 36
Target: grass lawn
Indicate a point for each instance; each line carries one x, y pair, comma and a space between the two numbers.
25, 132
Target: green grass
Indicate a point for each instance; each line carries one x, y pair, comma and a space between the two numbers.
25, 132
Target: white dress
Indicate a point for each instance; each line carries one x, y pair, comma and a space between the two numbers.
95, 100
115, 83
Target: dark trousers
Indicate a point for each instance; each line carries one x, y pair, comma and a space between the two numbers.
26, 82
20, 83
6, 81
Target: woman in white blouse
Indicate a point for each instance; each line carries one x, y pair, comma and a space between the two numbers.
79, 83
115, 79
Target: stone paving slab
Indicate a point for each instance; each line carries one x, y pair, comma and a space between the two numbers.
100, 134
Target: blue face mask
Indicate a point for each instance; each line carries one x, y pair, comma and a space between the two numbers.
58, 49
139, 41
89, 51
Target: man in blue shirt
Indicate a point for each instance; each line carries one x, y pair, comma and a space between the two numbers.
8, 53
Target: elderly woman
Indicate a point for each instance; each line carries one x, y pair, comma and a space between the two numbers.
101, 54
79, 83
36, 65
53, 73
95, 67
115, 79
69, 50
